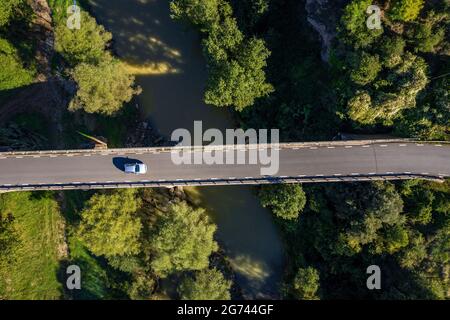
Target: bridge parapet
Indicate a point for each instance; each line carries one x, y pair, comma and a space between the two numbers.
287, 145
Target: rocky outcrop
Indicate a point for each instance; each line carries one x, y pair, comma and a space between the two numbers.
324, 15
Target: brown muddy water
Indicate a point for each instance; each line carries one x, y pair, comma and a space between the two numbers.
167, 59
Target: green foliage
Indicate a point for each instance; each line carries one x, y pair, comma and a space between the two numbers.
392, 49
239, 82
366, 69
236, 64
406, 10
109, 223
13, 74
397, 93
34, 257
306, 284
182, 240
286, 200
84, 45
201, 13
102, 88
8, 238
354, 26
209, 284
6, 10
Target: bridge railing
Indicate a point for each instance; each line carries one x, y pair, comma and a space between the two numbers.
218, 182
287, 145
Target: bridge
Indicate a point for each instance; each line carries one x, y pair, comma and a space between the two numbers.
336, 161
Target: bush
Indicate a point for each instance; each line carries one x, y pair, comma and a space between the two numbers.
13, 74
207, 285
102, 88
84, 45
406, 10
183, 240
285, 200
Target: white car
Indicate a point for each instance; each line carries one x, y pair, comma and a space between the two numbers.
136, 168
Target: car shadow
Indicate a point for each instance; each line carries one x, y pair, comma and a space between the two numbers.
119, 162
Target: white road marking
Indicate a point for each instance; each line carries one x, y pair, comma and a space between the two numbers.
354, 174
52, 156
389, 172
319, 175
36, 156
371, 173
424, 173
407, 172
231, 177
19, 157
419, 144
248, 177
366, 146
313, 148
438, 145
348, 147
331, 147
301, 175
383, 145
337, 174
110, 181
86, 155
402, 145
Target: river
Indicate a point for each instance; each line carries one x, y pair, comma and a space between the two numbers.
167, 58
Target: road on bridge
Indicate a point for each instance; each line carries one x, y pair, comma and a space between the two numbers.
311, 161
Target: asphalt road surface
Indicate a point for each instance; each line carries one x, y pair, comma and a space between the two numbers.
350, 160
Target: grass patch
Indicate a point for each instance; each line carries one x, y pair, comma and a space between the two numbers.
33, 274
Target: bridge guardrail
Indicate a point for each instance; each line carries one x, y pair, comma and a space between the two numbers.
221, 182
287, 145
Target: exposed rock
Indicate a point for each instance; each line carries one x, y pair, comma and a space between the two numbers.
324, 15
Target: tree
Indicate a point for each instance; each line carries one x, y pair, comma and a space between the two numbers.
406, 10
201, 13
236, 65
239, 82
365, 68
285, 200
182, 240
7, 9
13, 74
208, 284
109, 223
102, 88
84, 45
306, 284
392, 49
354, 27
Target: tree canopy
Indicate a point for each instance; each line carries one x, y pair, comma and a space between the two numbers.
102, 88
208, 284
109, 223
236, 63
84, 45
286, 200
182, 240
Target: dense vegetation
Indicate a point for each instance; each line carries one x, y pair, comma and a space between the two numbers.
263, 61
236, 63
103, 83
